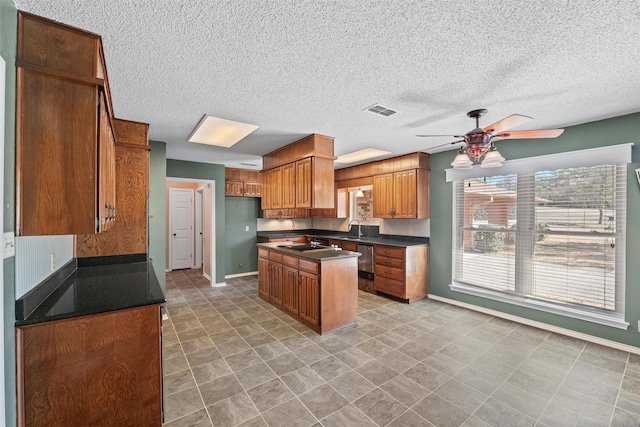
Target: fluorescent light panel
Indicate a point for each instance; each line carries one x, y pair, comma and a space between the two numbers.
356, 156
220, 132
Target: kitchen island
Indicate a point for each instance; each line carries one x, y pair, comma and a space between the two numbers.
317, 286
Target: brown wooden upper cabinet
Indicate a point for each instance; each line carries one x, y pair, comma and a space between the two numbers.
299, 175
402, 194
65, 147
242, 183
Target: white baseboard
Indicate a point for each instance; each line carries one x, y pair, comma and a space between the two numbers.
248, 273
540, 325
206, 276
219, 285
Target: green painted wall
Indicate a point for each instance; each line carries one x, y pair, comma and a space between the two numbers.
8, 39
157, 210
612, 131
194, 170
240, 245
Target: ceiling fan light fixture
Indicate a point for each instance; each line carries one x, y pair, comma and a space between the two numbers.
493, 159
462, 161
359, 193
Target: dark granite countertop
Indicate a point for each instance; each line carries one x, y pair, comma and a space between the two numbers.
315, 255
390, 240
93, 290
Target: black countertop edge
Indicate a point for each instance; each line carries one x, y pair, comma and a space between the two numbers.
94, 290
27, 303
111, 259
409, 240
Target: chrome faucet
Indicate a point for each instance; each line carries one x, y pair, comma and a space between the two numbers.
359, 228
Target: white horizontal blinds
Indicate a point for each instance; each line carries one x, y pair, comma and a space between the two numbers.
553, 235
485, 241
575, 239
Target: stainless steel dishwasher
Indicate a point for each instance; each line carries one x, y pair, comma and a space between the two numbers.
365, 262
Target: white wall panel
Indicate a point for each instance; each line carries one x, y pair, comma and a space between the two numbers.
33, 259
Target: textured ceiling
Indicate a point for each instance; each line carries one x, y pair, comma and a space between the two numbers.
299, 67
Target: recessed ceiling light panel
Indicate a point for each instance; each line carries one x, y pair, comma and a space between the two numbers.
220, 132
367, 153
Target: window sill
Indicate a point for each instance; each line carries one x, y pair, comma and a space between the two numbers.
600, 318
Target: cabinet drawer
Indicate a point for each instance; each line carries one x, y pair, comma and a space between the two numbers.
275, 256
348, 246
391, 262
310, 266
391, 272
263, 253
389, 251
389, 286
290, 261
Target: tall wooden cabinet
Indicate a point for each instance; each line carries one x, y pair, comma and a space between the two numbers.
129, 234
65, 149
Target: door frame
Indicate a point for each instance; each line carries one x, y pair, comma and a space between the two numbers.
198, 228
171, 190
212, 252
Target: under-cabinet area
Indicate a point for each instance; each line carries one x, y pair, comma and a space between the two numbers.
317, 287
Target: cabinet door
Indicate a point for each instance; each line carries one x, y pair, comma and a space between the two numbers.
275, 177
252, 189
383, 196
263, 278
290, 293
266, 190
309, 297
233, 188
304, 183
106, 168
404, 194
289, 186
275, 284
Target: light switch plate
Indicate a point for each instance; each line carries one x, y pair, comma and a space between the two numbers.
9, 244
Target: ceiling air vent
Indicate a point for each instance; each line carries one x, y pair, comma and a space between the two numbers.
379, 109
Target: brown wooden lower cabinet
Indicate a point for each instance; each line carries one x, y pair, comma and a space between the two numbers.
401, 272
100, 370
321, 294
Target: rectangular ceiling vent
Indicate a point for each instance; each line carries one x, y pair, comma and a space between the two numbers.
379, 109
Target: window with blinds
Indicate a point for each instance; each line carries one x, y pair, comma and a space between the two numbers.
548, 238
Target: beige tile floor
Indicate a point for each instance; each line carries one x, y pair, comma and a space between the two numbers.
231, 359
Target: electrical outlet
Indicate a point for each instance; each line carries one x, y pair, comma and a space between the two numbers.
9, 245
638, 325
240, 265
53, 262
246, 228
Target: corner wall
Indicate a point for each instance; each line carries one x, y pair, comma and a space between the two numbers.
157, 213
240, 243
617, 130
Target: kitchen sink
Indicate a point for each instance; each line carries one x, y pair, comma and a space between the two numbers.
304, 248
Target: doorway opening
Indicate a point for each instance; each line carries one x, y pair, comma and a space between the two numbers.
190, 229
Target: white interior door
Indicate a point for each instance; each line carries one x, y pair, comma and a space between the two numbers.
181, 230
199, 235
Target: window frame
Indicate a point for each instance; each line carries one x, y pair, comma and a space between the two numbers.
586, 158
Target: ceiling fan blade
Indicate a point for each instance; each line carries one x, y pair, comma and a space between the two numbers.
507, 123
527, 134
443, 145
437, 136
